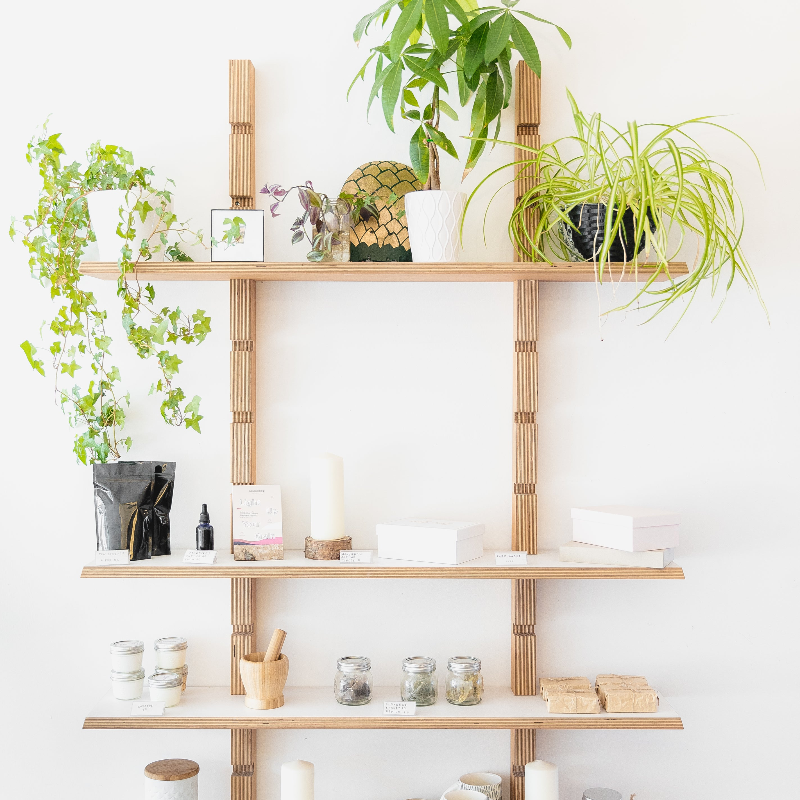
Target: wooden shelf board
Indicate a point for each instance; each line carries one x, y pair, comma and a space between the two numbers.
372, 271
295, 565
315, 708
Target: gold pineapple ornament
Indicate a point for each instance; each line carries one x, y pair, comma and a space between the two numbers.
384, 238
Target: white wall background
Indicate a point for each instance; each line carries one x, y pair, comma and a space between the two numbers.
411, 384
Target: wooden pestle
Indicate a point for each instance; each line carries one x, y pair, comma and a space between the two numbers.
275, 645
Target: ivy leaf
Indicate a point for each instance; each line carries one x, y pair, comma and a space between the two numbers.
30, 352
114, 375
523, 41
69, 369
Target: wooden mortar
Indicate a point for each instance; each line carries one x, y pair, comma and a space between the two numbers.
263, 680
327, 549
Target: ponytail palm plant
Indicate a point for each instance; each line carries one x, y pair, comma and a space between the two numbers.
661, 186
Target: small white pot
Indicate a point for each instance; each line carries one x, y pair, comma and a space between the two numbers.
104, 212
434, 220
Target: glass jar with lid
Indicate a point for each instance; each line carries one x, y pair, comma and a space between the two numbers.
165, 687
419, 681
352, 685
126, 655
464, 682
127, 685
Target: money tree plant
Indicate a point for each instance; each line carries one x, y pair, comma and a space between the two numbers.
77, 348
431, 40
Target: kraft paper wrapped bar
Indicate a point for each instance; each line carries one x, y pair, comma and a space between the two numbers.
626, 694
546, 685
573, 701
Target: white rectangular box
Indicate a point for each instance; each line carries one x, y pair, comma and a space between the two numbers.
434, 541
629, 528
580, 553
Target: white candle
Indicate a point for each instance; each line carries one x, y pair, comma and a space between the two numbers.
327, 496
541, 781
297, 780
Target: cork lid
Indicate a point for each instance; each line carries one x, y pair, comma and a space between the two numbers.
171, 769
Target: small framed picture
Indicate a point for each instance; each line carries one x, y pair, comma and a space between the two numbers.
239, 234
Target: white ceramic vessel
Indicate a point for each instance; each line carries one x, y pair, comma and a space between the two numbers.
434, 221
104, 212
165, 687
127, 685
126, 656
484, 782
171, 652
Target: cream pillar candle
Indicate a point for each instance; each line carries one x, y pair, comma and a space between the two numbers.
327, 496
541, 781
297, 780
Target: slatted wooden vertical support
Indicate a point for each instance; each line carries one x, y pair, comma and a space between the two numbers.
243, 764
242, 88
526, 312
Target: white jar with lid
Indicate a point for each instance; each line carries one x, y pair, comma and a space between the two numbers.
126, 655
182, 671
171, 652
165, 687
127, 685
171, 779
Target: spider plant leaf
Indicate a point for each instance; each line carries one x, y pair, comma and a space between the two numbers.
438, 24
524, 43
403, 28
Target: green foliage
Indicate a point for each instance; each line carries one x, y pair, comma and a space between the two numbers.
56, 235
662, 174
431, 39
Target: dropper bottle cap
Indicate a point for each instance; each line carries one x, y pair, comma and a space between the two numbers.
204, 514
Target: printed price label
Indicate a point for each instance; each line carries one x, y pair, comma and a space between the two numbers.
355, 556
512, 558
399, 709
151, 709
200, 557
105, 558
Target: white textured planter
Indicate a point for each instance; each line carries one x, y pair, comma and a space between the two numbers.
434, 219
104, 212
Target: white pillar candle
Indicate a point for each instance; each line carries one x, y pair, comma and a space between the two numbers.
327, 496
297, 780
541, 781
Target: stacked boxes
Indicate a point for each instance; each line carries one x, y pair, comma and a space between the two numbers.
617, 694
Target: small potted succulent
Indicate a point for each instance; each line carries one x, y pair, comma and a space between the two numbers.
429, 41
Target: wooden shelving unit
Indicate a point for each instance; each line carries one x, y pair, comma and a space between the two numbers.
515, 708
396, 272
315, 708
544, 566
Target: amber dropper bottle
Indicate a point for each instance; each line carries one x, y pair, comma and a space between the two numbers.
205, 531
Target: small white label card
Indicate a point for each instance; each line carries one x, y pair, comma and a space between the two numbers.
399, 709
148, 709
512, 558
200, 557
355, 556
105, 558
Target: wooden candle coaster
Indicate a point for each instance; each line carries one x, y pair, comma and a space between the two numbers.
327, 549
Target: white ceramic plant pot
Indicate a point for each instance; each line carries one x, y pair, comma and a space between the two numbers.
104, 212
434, 219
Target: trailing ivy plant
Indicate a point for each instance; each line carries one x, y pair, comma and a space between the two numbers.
431, 39
78, 349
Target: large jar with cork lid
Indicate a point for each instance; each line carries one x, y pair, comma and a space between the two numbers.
171, 779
